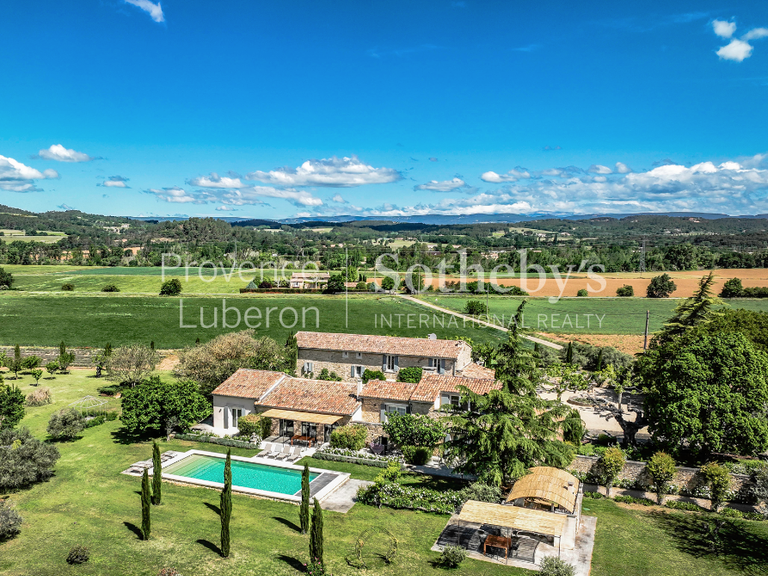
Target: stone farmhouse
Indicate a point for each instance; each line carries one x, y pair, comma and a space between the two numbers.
309, 409
349, 355
309, 280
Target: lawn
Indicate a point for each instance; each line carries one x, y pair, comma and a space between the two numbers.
584, 315
44, 320
89, 502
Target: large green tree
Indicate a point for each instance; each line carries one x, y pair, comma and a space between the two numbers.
709, 393
501, 434
151, 404
515, 364
11, 405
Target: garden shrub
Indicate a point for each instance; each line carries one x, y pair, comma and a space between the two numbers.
417, 455
582, 293
594, 495
719, 481
661, 468
414, 430
78, 555
325, 374
475, 308
633, 500
10, 521
231, 442
482, 492
731, 513
96, 421
552, 566
251, 424
39, 397
171, 287
65, 424
610, 465
29, 461
110, 390
678, 505
351, 436
395, 495
31, 362
452, 556
411, 374
373, 375
68, 287
390, 474
625, 291
110, 288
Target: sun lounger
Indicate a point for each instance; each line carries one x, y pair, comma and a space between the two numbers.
295, 454
285, 453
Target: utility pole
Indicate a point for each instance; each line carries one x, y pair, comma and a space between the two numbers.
647, 319
641, 267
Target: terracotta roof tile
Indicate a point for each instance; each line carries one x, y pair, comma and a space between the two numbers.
319, 396
388, 390
432, 385
473, 370
423, 347
247, 383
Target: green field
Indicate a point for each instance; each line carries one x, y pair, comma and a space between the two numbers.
88, 502
583, 315
93, 320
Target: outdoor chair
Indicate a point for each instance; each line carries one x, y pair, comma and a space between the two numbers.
267, 450
287, 449
295, 454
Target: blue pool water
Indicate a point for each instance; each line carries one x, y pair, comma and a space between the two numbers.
245, 474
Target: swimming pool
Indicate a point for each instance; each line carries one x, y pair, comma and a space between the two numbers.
256, 476
245, 474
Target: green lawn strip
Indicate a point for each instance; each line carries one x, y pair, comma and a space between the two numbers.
583, 315
94, 320
637, 542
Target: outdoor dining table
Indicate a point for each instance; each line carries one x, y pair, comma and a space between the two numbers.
497, 542
308, 439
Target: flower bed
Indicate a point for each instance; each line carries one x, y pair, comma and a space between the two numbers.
231, 442
354, 457
395, 495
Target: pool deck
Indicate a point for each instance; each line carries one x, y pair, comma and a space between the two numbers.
326, 484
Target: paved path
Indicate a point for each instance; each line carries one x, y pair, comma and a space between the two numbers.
345, 497
476, 321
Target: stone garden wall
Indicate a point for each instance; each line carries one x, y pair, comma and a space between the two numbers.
83, 356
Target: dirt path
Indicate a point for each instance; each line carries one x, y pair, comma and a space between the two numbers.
476, 321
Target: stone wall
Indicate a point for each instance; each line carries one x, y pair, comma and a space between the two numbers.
688, 479
83, 356
336, 362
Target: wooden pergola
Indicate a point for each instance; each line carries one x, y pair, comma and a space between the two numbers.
515, 518
548, 484
311, 417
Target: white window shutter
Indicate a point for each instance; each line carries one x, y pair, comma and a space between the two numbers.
441, 369
383, 415
397, 360
384, 363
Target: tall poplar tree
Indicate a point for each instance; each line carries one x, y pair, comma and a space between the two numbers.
304, 509
145, 506
225, 505
157, 475
316, 534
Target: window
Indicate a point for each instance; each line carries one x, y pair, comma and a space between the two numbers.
309, 429
392, 409
390, 363
437, 364
308, 367
357, 371
359, 355
237, 413
448, 399
345, 354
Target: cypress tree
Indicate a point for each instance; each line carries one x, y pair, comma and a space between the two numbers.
569, 354
600, 360
145, 520
157, 475
304, 509
316, 534
108, 350
225, 505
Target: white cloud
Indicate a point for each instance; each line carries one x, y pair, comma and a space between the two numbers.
225, 209
622, 168
736, 50
332, 172
511, 176
599, 169
338, 198
723, 29
444, 186
216, 181
155, 11
18, 177
178, 195
60, 154
115, 182
755, 34
254, 194
738, 186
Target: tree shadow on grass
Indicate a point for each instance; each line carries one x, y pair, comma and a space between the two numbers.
288, 523
210, 545
123, 436
294, 563
213, 507
135, 529
739, 547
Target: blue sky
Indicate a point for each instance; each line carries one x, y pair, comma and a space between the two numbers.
276, 109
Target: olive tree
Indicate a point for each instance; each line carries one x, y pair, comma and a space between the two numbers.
131, 364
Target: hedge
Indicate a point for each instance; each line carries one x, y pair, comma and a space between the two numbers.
395, 495
350, 459
231, 442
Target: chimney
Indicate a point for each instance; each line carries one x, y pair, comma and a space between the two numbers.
359, 387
